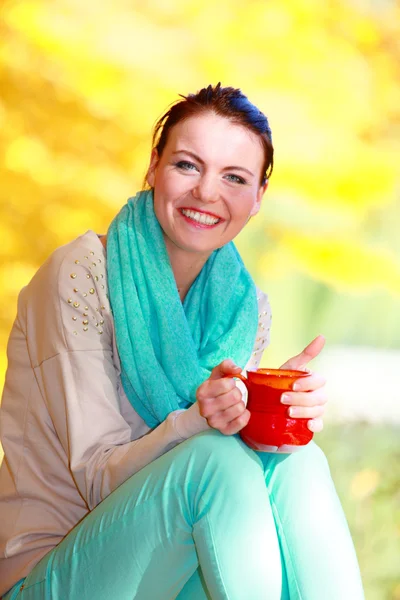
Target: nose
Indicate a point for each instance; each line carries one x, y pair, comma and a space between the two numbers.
206, 189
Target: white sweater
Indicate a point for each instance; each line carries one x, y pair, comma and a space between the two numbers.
69, 433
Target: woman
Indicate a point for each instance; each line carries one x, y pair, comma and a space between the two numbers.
117, 481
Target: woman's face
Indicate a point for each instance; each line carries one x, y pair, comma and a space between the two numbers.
206, 183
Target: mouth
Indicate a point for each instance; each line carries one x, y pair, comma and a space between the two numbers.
201, 219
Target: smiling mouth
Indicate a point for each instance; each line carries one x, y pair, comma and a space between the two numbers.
198, 217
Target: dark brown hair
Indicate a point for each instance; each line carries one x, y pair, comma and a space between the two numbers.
227, 102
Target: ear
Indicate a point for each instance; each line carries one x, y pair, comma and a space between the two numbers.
151, 172
260, 194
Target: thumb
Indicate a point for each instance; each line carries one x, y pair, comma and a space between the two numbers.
311, 351
224, 369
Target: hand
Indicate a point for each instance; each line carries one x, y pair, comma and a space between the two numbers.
220, 401
308, 399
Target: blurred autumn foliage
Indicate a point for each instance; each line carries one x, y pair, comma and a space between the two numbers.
82, 83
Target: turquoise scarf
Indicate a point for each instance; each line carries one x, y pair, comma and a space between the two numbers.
168, 349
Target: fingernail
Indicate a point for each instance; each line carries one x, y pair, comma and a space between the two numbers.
292, 411
285, 399
311, 425
296, 386
315, 425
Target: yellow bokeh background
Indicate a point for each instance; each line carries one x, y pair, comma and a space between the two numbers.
82, 83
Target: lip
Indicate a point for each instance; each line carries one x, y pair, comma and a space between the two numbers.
197, 225
203, 212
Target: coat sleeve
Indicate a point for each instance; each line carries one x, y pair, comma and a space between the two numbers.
69, 331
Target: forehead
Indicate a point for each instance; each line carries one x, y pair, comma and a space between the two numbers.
217, 139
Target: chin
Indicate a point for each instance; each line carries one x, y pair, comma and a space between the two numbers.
198, 248
195, 248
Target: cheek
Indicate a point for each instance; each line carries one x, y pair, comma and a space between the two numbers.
242, 204
167, 193
163, 191
172, 185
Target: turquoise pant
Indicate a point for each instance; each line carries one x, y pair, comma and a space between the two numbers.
209, 519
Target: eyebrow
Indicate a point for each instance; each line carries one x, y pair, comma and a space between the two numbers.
230, 168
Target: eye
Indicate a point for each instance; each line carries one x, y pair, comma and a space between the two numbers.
235, 179
185, 165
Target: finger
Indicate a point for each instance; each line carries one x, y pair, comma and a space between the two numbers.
317, 398
227, 367
211, 389
311, 351
305, 412
314, 381
315, 425
211, 406
237, 424
223, 418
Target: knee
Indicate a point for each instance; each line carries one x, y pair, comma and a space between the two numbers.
307, 465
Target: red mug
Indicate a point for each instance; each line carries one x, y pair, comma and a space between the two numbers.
270, 429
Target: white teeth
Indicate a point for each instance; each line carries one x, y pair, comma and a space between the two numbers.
199, 217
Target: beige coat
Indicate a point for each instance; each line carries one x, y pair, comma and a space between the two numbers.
70, 435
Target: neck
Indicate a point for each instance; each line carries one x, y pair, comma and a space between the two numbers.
185, 267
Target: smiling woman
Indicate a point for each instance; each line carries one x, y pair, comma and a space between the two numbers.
211, 159
123, 474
